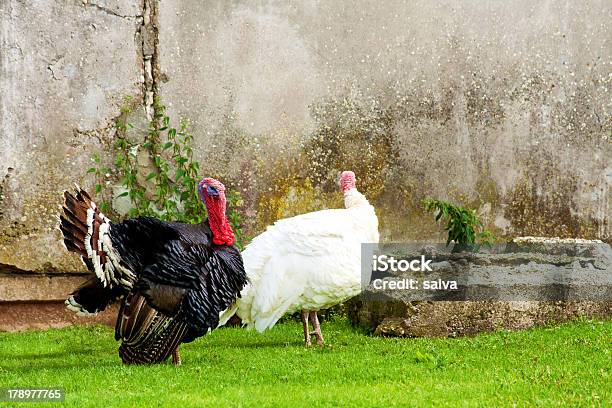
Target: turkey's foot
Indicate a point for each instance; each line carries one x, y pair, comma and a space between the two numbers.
176, 357
307, 342
314, 319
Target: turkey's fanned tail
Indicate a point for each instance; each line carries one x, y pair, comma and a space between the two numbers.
87, 231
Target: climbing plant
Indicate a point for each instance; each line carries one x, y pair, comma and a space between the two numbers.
101, 174
168, 190
463, 225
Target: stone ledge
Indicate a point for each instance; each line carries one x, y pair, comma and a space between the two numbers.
397, 314
38, 287
19, 316
465, 318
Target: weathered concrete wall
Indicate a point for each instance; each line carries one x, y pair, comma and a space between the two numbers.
503, 106
65, 67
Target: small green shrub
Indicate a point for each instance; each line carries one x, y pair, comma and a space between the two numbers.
169, 190
463, 226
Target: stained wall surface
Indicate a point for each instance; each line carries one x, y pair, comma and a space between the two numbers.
501, 106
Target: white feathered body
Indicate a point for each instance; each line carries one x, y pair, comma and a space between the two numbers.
308, 262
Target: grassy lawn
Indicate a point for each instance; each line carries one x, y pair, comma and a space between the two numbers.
567, 365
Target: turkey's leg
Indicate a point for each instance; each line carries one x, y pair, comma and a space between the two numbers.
314, 319
305, 324
176, 357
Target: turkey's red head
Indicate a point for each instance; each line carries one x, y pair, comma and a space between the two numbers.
347, 181
212, 192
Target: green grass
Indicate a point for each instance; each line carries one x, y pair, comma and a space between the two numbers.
566, 365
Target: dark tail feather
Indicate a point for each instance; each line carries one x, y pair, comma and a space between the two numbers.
73, 223
83, 227
157, 349
147, 335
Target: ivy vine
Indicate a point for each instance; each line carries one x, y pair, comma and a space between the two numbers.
169, 190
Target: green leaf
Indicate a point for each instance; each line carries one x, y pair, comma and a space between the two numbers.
124, 194
91, 170
150, 176
167, 145
98, 188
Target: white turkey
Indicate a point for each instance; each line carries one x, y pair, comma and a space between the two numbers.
308, 262
174, 278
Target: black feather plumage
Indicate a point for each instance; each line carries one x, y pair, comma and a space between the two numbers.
182, 274
180, 280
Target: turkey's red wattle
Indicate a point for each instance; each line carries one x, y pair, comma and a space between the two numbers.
347, 181
219, 225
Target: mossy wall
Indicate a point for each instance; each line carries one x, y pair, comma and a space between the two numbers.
501, 106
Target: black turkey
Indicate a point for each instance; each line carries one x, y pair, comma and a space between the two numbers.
174, 278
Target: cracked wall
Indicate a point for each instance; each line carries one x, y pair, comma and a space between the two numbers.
64, 70
504, 107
